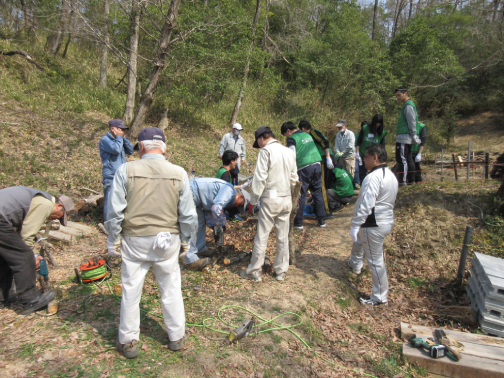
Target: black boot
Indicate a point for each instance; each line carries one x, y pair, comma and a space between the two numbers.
40, 302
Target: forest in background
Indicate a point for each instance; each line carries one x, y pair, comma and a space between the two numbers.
210, 63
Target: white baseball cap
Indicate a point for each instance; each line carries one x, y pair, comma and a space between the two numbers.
237, 126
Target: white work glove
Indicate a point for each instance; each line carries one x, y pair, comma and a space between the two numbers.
338, 155
258, 204
353, 234
114, 249
417, 140
329, 163
359, 159
184, 248
246, 184
418, 158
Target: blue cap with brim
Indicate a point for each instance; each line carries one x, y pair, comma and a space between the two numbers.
117, 123
150, 133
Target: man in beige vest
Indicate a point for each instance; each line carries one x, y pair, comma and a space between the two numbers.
151, 206
274, 178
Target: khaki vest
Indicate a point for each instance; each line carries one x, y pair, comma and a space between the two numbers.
153, 189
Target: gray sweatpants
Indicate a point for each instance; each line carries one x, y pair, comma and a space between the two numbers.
370, 244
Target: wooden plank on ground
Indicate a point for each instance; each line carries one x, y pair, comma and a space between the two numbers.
459, 336
71, 231
60, 236
468, 367
85, 229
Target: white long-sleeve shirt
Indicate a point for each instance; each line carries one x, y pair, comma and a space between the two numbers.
275, 174
377, 196
187, 217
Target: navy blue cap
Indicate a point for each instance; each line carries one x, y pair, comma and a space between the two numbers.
150, 133
117, 123
260, 131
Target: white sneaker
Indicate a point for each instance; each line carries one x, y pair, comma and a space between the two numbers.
355, 270
300, 227
371, 302
280, 277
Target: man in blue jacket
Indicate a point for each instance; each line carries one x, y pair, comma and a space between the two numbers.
113, 149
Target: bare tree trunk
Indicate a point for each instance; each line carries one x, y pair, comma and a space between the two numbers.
375, 14
103, 65
396, 17
159, 65
67, 44
54, 41
27, 22
496, 7
132, 69
238, 104
410, 9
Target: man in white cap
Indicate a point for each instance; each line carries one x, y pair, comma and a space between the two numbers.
234, 141
344, 147
23, 211
151, 206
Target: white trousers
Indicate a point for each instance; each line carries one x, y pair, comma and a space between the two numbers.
137, 258
273, 212
370, 244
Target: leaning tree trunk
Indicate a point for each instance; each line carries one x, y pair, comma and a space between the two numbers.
375, 13
132, 68
159, 65
103, 65
238, 104
54, 41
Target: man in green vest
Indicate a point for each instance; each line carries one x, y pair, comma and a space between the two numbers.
226, 172
417, 149
405, 137
151, 206
326, 163
309, 172
341, 190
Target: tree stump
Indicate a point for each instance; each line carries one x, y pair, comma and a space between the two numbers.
295, 206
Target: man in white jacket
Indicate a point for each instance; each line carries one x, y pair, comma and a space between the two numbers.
372, 221
274, 178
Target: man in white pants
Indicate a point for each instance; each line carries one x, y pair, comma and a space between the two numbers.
372, 222
151, 206
274, 178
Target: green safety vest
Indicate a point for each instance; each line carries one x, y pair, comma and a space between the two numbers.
343, 186
416, 147
221, 171
368, 140
319, 144
402, 124
356, 137
306, 151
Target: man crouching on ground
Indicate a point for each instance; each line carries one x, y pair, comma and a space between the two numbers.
373, 220
274, 178
151, 206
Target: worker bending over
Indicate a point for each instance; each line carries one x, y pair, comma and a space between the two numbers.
274, 179
23, 211
341, 190
372, 221
309, 172
211, 197
151, 207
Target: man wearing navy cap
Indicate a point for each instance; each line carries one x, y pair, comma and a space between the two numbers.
113, 147
151, 206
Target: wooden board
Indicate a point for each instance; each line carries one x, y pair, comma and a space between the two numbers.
60, 236
468, 367
85, 229
71, 231
482, 356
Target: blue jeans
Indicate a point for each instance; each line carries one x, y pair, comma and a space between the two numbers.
311, 178
106, 192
